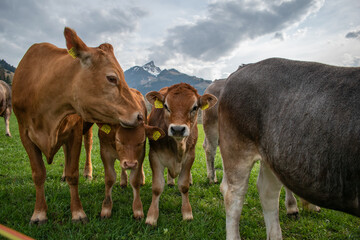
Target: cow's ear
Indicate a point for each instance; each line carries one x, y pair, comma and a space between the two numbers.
76, 47
154, 133
156, 99
207, 100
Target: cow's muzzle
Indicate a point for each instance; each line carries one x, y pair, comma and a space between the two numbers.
139, 119
178, 131
127, 164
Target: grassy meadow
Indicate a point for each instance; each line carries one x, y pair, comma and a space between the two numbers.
17, 199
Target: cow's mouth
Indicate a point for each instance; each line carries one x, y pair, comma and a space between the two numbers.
127, 125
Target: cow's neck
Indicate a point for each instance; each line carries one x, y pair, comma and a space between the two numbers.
181, 149
45, 128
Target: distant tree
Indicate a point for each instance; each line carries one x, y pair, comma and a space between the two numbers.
2, 73
8, 80
7, 66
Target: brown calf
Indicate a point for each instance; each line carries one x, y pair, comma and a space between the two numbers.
175, 111
127, 145
53, 92
5, 105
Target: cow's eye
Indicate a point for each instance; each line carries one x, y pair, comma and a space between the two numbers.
113, 79
194, 108
166, 107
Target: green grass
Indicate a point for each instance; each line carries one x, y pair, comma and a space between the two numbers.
17, 199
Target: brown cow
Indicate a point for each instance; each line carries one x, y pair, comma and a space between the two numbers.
5, 105
53, 91
127, 145
175, 111
211, 141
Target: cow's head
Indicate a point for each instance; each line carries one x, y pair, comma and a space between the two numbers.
130, 143
180, 104
99, 90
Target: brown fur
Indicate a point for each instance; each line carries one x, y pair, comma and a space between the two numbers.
52, 95
127, 145
176, 151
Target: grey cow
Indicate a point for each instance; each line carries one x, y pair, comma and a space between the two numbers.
211, 141
303, 120
5, 104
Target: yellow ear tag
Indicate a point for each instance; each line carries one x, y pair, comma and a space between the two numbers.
206, 106
105, 128
72, 52
158, 104
156, 135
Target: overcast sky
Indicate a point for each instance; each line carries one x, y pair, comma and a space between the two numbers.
205, 38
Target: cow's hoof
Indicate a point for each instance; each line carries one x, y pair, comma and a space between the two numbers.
38, 222
188, 217
138, 215
82, 220
294, 215
63, 179
88, 177
151, 222
105, 213
8, 135
103, 217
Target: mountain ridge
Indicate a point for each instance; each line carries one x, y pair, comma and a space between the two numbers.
149, 77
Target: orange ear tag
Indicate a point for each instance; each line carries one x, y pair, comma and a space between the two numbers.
72, 52
156, 135
158, 104
105, 128
206, 106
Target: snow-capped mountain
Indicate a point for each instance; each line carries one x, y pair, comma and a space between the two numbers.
151, 68
149, 77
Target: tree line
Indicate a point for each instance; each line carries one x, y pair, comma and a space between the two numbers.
4, 69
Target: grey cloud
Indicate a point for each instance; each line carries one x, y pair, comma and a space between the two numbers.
353, 34
228, 23
279, 36
44, 21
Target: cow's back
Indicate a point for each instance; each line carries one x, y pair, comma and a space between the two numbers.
35, 74
210, 116
305, 119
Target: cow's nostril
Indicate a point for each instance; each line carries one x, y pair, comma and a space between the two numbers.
140, 117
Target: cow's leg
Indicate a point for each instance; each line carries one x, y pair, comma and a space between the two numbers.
309, 206
123, 178
291, 204
72, 150
184, 184
142, 176
7, 121
88, 146
158, 183
234, 187
110, 179
38, 176
210, 144
136, 180
238, 155
170, 180
269, 190
63, 174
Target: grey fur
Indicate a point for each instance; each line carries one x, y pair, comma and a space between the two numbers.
304, 117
